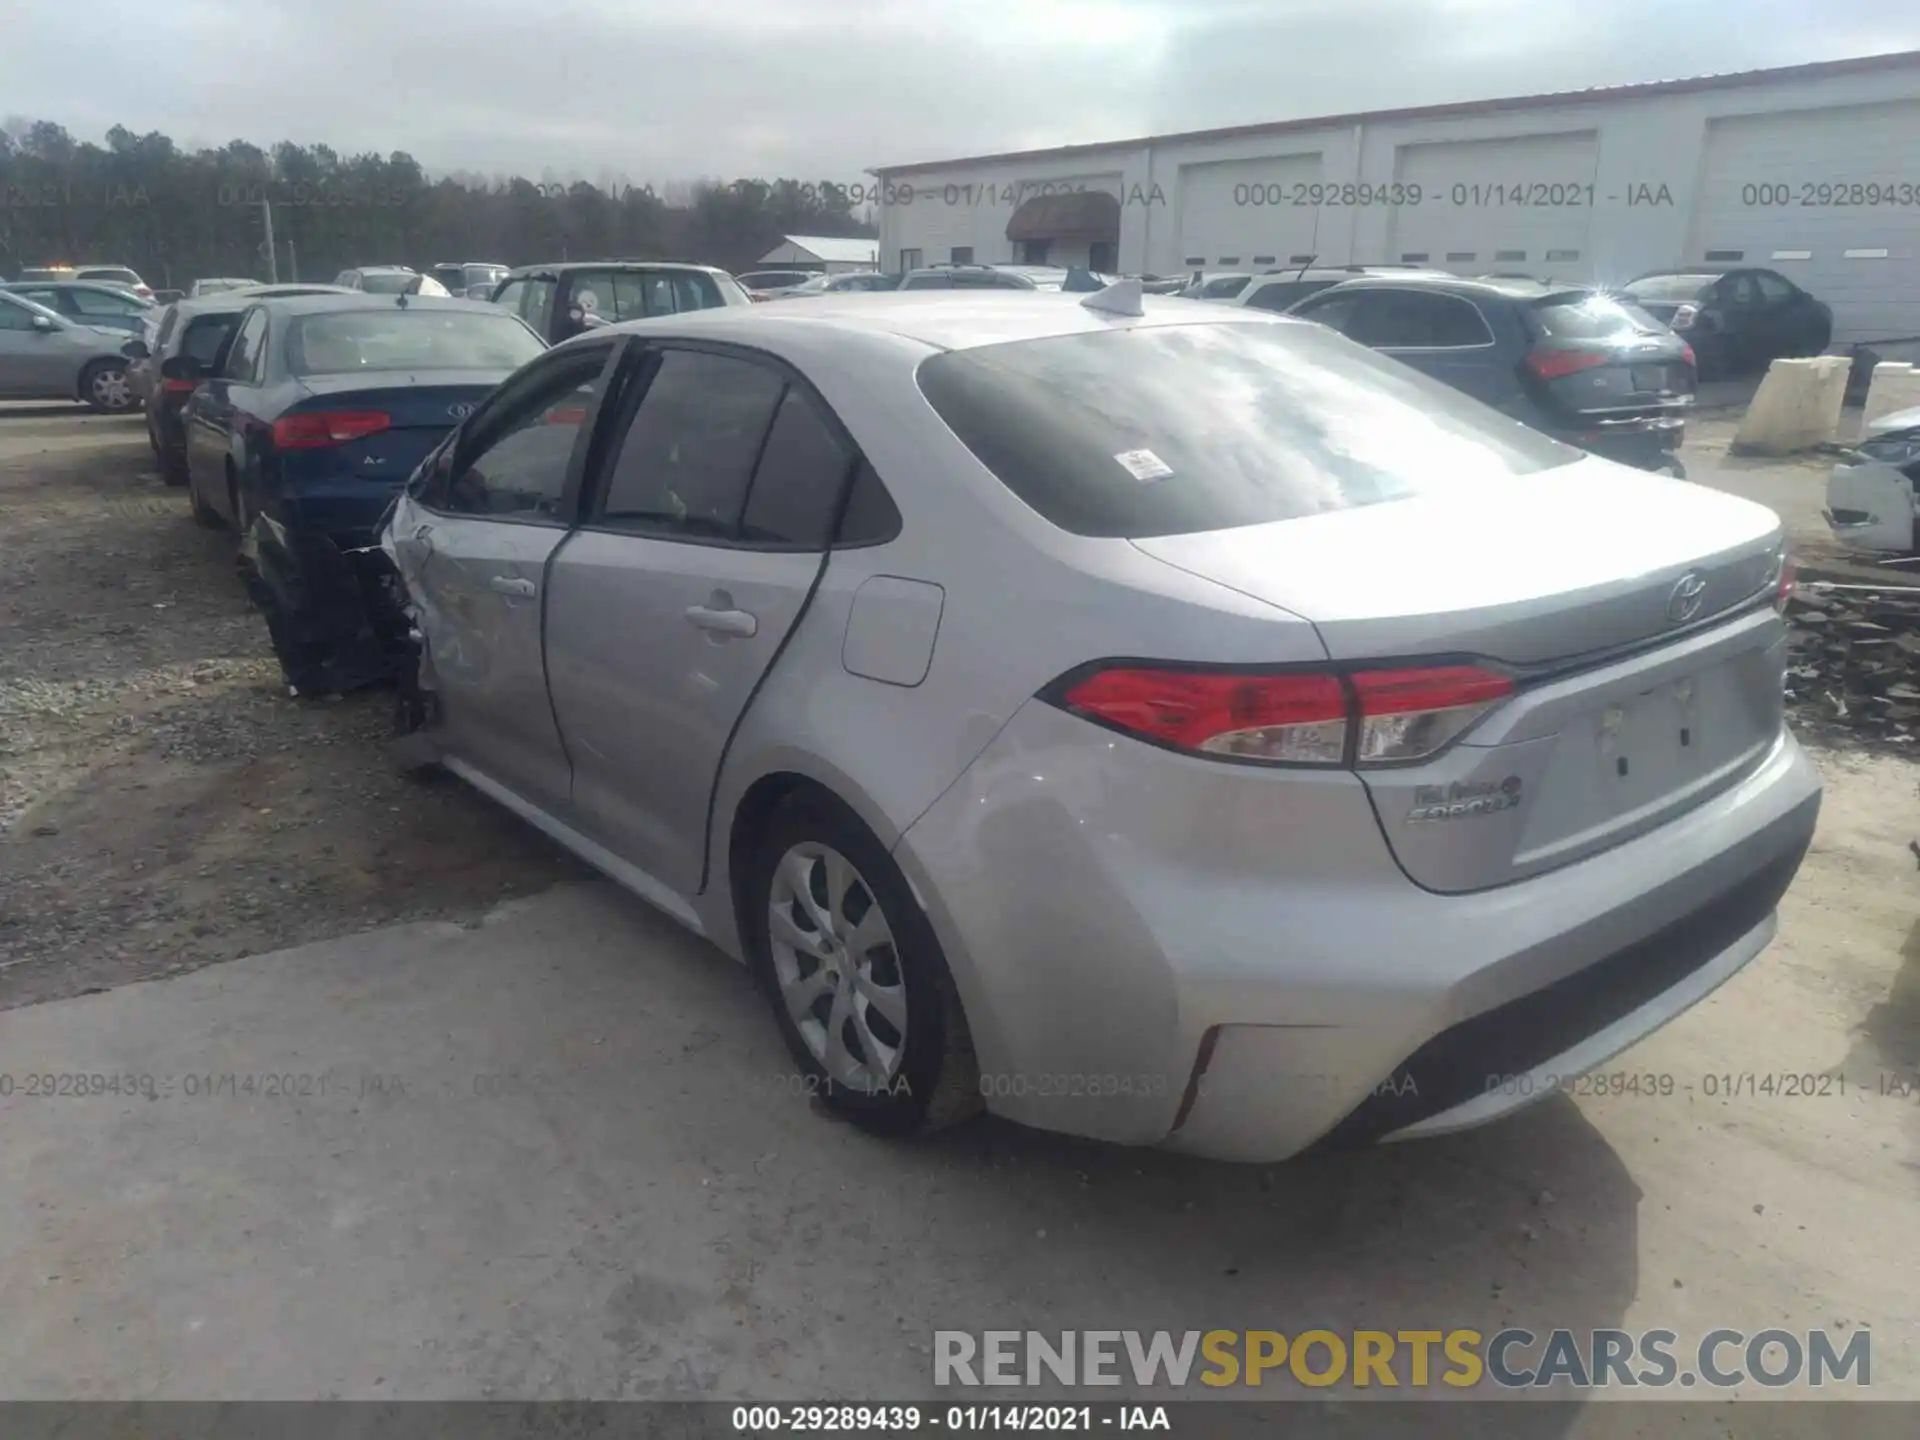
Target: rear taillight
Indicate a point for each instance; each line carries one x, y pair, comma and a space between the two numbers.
177, 387
319, 429
1686, 354
1298, 717
1552, 364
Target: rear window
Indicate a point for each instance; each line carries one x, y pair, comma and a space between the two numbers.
386, 282
1669, 289
396, 339
204, 336
111, 276
1177, 429
1591, 316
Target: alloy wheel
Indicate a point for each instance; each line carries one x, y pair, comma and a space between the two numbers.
109, 389
837, 967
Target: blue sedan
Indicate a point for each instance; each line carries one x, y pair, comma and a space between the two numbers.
298, 435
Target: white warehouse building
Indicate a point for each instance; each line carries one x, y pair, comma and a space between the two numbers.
1813, 171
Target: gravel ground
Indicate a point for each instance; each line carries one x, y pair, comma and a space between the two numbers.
163, 803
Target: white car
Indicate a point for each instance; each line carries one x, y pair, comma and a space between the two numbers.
1870, 494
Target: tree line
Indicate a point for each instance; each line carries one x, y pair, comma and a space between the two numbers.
174, 215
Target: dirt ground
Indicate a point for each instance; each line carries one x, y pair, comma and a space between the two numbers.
163, 803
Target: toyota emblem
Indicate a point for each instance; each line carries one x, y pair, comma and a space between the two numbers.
459, 412
1685, 601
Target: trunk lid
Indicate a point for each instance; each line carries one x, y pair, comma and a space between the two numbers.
420, 406
1598, 588
342, 489
1598, 359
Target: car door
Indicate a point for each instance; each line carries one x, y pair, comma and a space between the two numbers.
22, 350
474, 543
209, 416
1781, 318
1736, 304
1444, 336
701, 538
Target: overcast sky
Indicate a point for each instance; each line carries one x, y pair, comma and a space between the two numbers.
659, 90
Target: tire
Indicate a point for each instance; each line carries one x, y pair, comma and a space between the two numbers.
173, 470
204, 515
103, 385
885, 1077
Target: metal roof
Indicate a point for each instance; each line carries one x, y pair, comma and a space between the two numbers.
1860, 65
832, 249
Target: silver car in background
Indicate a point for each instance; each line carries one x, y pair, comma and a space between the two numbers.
1155, 722
45, 356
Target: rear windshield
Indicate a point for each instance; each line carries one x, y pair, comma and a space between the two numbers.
1669, 289
204, 336
1592, 316
347, 341
387, 282
116, 277
1176, 429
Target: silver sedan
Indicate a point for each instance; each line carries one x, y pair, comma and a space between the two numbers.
1153, 721
45, 356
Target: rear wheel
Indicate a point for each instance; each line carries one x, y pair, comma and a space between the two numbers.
105, 389
858, 983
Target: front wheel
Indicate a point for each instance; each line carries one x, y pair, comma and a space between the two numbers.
105, 389
858, 983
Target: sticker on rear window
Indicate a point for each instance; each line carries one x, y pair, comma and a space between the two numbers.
1144, 465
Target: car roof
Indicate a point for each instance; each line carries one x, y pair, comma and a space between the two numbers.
557, 267
1705, 277
935, 319
100, 285
360, 300
1475, 287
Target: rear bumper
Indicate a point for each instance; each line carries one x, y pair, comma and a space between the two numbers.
1871, 508
325, 599
1643, 443
1225, 960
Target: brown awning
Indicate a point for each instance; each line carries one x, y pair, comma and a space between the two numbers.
1090, 215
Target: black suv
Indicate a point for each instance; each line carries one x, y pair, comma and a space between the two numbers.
560, 301
1586, 367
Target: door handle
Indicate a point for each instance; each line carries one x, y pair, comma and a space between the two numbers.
723, 622
511, 585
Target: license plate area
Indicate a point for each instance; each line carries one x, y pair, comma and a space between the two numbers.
1649, 379
1629, 761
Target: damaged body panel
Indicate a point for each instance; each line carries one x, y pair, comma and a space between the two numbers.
1871, 493
299, 436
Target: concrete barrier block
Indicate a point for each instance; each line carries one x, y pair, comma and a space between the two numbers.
1797, 407
1895, 386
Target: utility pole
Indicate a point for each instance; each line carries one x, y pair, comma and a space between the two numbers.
268, 249
293, 261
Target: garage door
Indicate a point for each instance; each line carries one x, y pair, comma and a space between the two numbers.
1830, 199
1247, 213
1486, 206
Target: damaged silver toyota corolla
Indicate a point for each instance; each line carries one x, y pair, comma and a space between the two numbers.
1156, 722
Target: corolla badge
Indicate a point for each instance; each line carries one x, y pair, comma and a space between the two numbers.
1464, 799
1687, 597
460, 412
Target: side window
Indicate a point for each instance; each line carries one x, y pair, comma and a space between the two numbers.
695, 292
1406, 319
684, 464
519, 468
48, 298
1773, 289
14, 317
871, 517
592, 291
512, 296
927, 282
93, 302
1336, 312
204, 336
1739, 291
642, 292
243, 357
1275, 297
539, 306
797, 483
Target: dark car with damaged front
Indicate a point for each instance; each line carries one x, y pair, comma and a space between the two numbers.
313, 416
